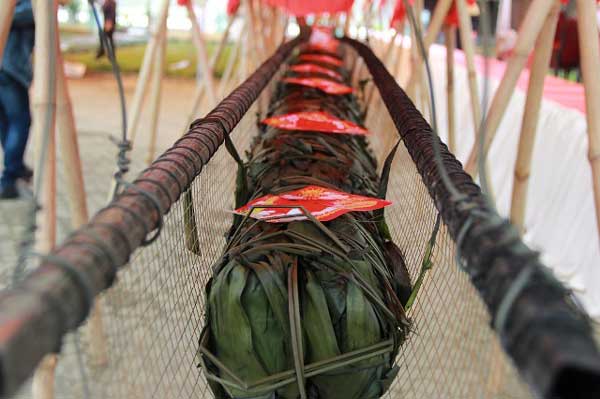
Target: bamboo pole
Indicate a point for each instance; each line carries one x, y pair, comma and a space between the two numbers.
437, 21
399, 60
590, 65
6, 15
347, 22
528, 33
387, 55
535, 89
44, 109
43, 379
200, 45
156, 94
450, 38
143, 79
219, 52
219, 91
227, 73
465, 29
67, 135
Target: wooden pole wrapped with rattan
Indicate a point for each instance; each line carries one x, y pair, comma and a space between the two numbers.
590, 66
541, 63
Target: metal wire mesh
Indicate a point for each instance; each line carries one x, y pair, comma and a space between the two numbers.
153, 315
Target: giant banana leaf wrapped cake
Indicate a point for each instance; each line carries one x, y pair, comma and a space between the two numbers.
308, 298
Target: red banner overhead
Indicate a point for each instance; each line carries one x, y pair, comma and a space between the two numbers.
305, 7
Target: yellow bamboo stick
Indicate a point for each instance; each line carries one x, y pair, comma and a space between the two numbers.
69, 147
45, 10
142, 84
6, 15
528, 32
155, 95
437, 20
590, 65
200, 45
535, 89
465, 29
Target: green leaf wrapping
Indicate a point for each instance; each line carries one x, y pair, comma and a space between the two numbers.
351, 287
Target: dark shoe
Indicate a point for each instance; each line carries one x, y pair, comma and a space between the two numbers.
9, 192
26, 174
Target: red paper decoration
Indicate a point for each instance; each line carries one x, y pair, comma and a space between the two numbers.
322, 203
328, 86
315, 121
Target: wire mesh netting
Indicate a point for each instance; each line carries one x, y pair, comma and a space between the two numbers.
154, 314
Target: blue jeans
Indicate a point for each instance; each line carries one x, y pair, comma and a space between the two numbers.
15, 120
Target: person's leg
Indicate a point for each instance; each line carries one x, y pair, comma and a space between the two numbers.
3, 124
15, 101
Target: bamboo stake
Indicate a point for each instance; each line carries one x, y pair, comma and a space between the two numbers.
528, 32
465, 29
43, 378
65, 123
590, 65
400, 51
200, 45
219, 92
437, 21
386, 58
535, 89
227, 73
450, 38
143, 79
6, 15
219, 52
44, 107
347, 22
156, 94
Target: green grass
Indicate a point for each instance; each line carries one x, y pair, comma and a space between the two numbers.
130, 58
